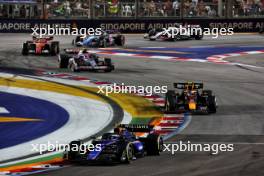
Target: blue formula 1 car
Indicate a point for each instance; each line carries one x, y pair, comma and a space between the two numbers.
121, 146
106, 39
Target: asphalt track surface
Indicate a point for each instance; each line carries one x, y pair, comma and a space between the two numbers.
239, 120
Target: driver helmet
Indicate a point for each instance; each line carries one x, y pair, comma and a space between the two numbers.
93, 56
82, 56
84, 51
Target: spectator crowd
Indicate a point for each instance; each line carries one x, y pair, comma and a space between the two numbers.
132, 8
248, 8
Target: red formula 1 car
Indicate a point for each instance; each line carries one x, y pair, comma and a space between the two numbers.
41, 45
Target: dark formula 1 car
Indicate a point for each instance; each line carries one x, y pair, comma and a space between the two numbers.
121, 146
190, 99
41, 45
78, 59
173, 33
108, 38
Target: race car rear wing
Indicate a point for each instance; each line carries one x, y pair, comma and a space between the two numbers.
188, 85
46, 37
136, 127
72, 50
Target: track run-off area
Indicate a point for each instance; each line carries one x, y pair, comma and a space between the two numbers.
232, 67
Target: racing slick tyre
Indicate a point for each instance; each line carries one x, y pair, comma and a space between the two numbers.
108, 63
73, 68
63, 60
105, 44
127, 154
120, 40
25, 49
261, 30
54, 48
170, 101
95, 57
154, 144
212, 104
73, 153
76, 40
198, 37
207, 92
152, 33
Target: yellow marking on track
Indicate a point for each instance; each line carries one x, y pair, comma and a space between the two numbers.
135, 105
17, 119
46, 86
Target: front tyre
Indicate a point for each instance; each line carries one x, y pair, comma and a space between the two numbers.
73, 154
73, 68
212, 105
170, 102
25, 49
127, 154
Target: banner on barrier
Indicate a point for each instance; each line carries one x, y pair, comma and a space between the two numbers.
131, 26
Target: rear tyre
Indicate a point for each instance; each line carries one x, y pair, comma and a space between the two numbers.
151, 33
207, 92
76, 40
54, 48
198, 37
25, 49
108, 63
261, 31
73, 153
73, 69
63, 60
105, 43
170, 101
120, 40
154, 144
